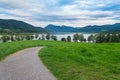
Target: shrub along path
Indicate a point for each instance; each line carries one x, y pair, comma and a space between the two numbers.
24, 65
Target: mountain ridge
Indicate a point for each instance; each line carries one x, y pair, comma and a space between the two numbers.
20, 26
89, 28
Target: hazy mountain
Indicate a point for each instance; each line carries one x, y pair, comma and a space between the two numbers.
54, 28
95, 28
20, 26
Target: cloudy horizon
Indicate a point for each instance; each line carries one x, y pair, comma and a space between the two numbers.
77, 13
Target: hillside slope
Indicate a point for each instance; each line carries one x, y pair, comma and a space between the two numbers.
20, 26
94, 28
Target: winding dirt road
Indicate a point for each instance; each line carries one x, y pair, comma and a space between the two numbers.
24, 65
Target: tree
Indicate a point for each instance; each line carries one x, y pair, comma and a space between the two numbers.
69, 39
0, 39
54, 37
76, 37
36, 36
84, 40
119, 36
81, 38
32, 37
5, 38
114, 37
48, 36
28, 37
91, 38
43, 37
17, 37
12, 38
100, 38
63, 39
39, 38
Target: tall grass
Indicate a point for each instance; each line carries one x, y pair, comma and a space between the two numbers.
82, 61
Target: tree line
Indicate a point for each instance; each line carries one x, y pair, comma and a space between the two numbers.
21, 37
94, 38
103, 37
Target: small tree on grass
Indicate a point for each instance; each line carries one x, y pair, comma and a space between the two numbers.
114, 37
76, 37
0, 39
17, 37
22, 37
12, 38
69, 39
39, 38
48, 36
43, 37
100, 38
32, 37
5, 38
54, 37
84, 40
81, 38
63, 39
36, 36
28, 37
108, 37
91, 38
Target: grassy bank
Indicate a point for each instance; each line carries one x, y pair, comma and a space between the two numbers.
82, 61
74, 61
11, 47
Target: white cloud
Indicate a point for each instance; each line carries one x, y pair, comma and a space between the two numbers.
44, 12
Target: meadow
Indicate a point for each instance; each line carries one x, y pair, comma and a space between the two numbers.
73, 61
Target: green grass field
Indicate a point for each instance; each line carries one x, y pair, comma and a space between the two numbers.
74, 61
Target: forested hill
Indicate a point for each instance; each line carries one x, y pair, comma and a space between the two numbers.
55, 28
95, 28
19, 26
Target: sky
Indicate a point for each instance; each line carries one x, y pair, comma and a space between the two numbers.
77, 13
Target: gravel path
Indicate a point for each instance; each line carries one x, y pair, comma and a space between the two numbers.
24, 65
